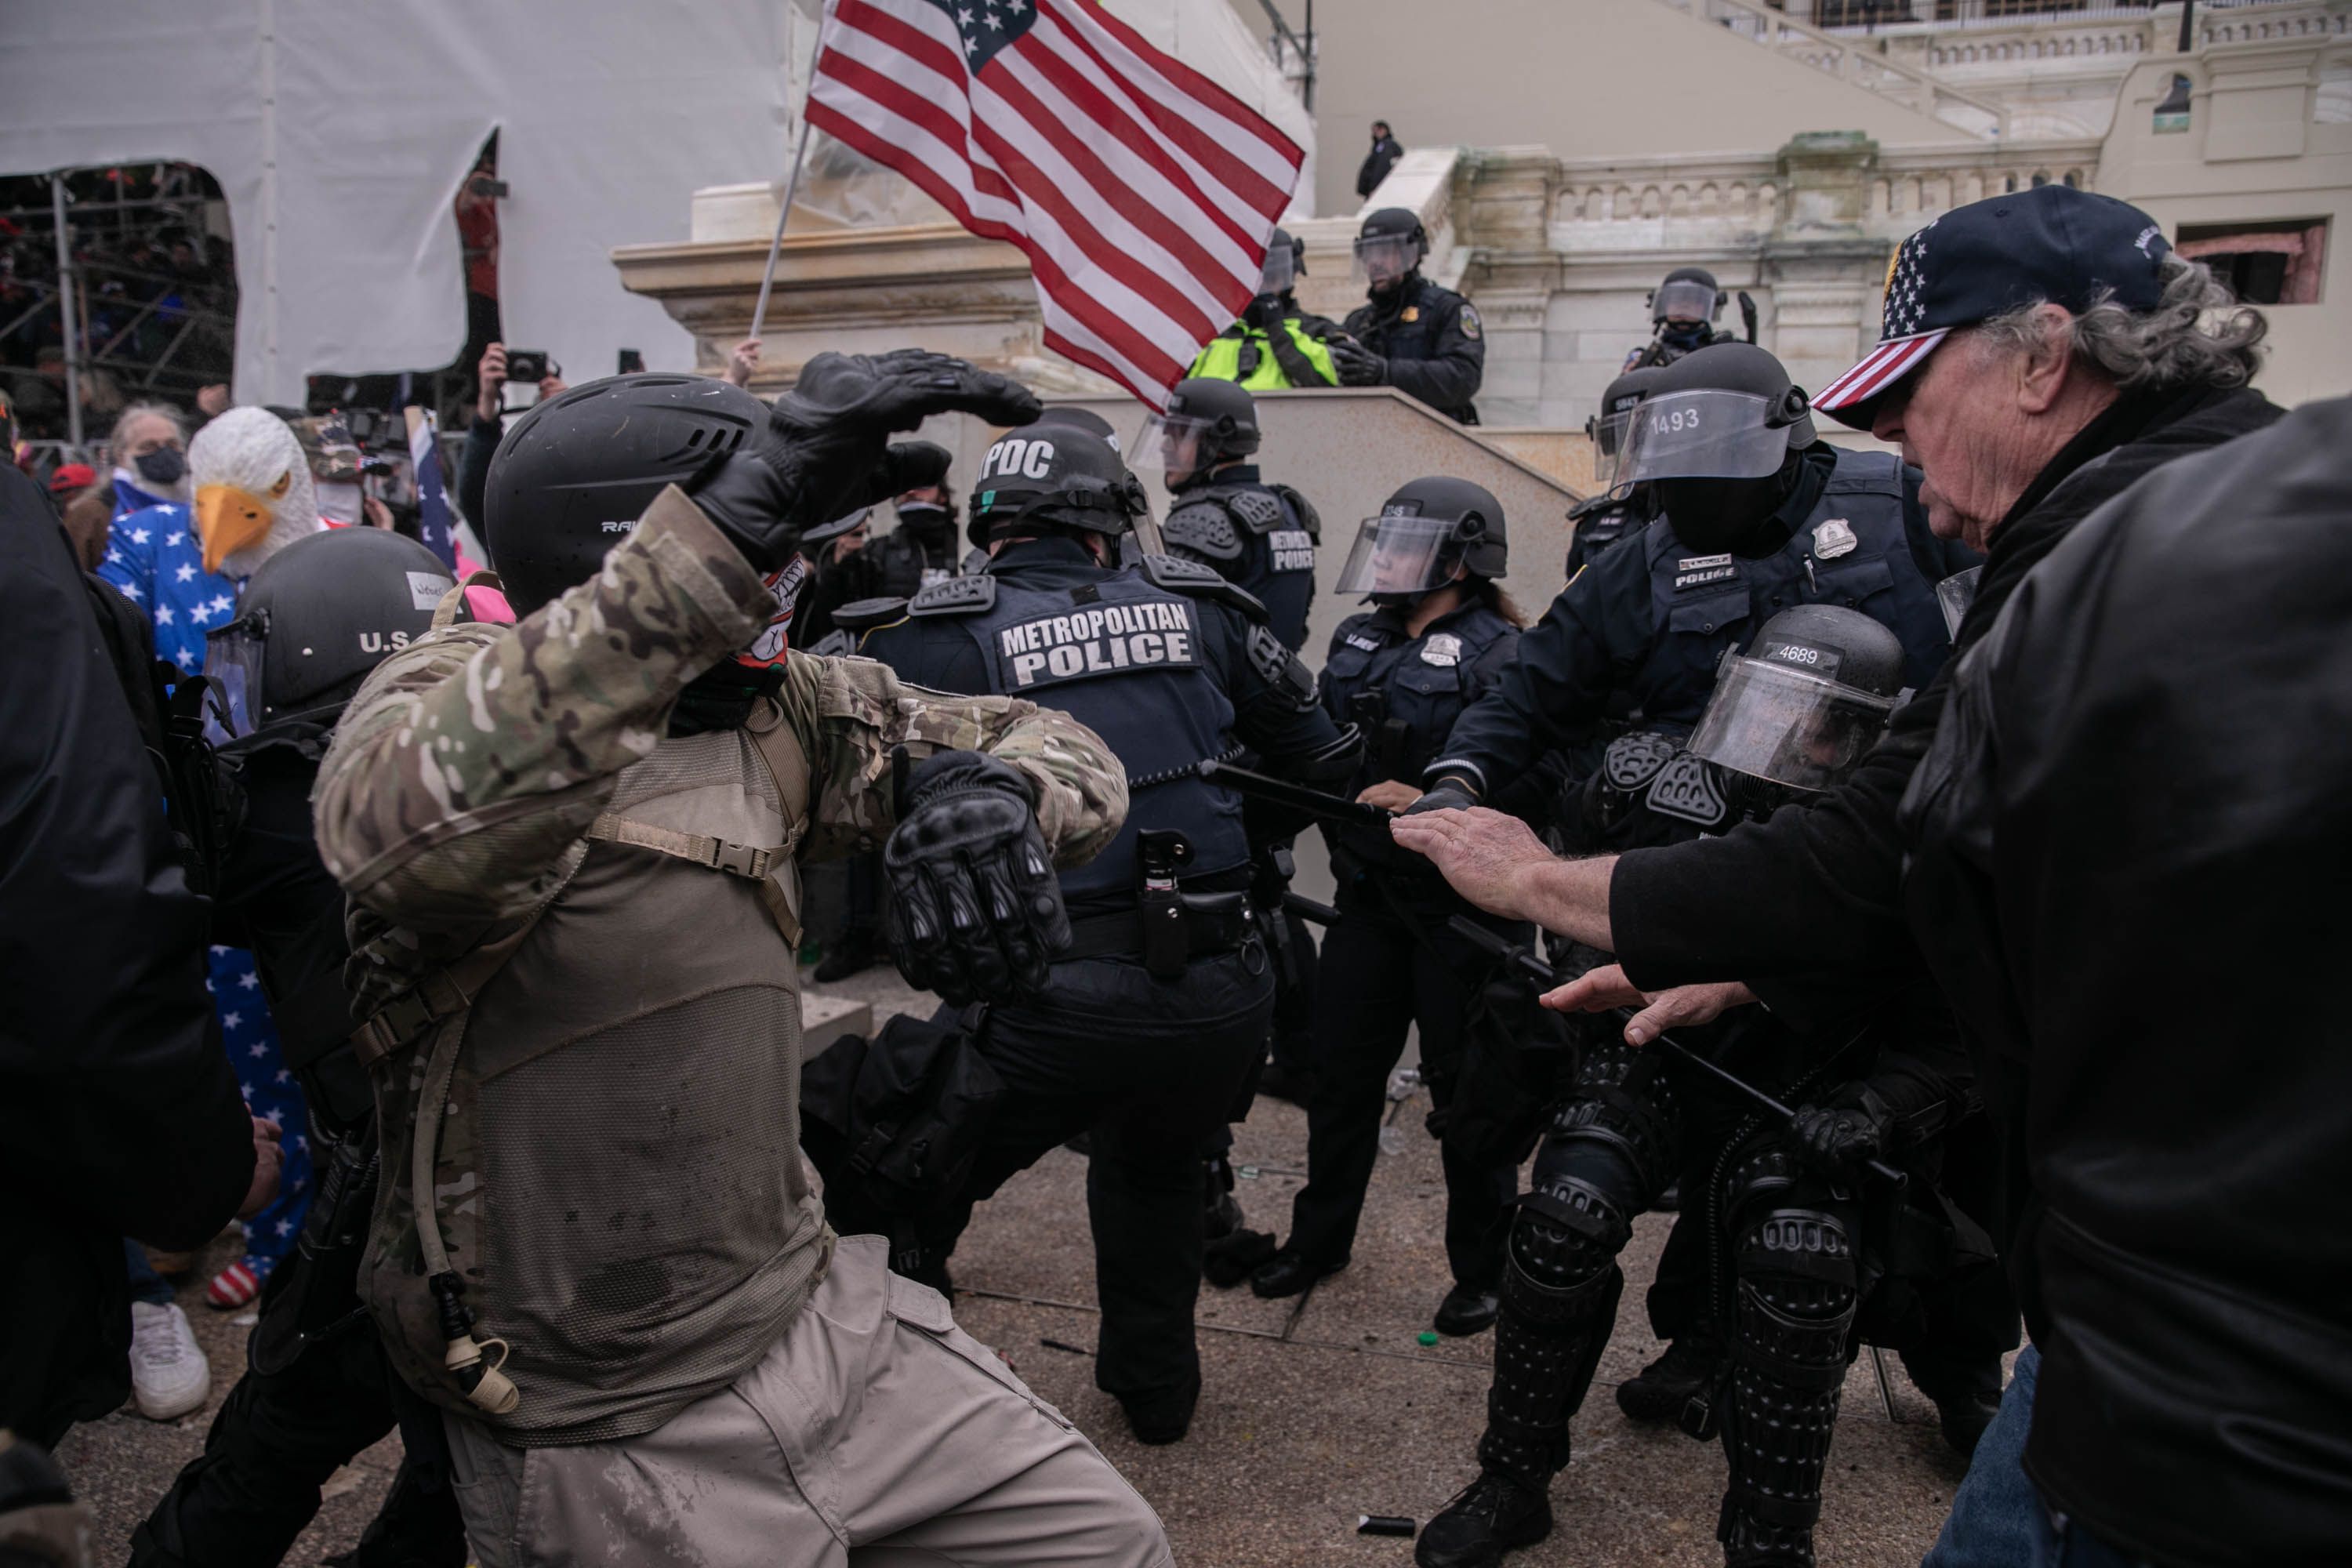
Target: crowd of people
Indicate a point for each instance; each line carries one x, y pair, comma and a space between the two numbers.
1842, 859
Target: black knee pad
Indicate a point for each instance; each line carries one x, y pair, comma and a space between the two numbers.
1624, 1103
1564, 1240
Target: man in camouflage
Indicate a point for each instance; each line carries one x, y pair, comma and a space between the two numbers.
572, 847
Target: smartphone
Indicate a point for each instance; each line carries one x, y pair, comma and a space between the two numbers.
632, 361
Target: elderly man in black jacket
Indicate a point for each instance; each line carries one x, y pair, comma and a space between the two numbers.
2042, 352
119, 1112
2142, 766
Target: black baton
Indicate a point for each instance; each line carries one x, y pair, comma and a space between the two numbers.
1504, 948
1282, 791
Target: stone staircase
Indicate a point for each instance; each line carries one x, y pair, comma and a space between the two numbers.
1975, 115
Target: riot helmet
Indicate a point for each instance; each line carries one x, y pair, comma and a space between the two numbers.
1284, 263
572, 476
1054, 474
1078, 417
1207, 422
1688, 294
1807, 700
1718, 438
1424, 532
1606, 429
1389, 246
315, 618
826, 532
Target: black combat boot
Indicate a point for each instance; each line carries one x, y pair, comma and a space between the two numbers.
1662, 1391
1487, 1518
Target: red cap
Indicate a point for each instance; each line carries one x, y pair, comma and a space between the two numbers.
71, 476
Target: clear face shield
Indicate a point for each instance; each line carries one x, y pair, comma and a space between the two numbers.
1704, 435
1384, 258
1277, 274
1777, 721
1395, 553
1684, 301
1172, 443
233, 656
1608, 433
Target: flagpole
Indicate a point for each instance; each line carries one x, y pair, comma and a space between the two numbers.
792, 180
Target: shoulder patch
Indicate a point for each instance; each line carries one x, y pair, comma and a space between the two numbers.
865, 615
1192, 579
1283, 669
1470, 328
1202, 528
955, 596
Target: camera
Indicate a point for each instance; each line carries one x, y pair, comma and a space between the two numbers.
488, 185
529, 365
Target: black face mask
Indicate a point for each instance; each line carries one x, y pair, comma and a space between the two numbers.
164, 466
1735, 517
927, 522
1687, 335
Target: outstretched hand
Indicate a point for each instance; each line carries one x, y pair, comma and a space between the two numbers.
1485, 855
1606, 989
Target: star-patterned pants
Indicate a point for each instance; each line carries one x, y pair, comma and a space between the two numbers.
271, 1092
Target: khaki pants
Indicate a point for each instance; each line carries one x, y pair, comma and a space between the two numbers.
876, 1433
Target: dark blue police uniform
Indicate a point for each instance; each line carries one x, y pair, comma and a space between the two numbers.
1391, 961
1170, 665
1259, 537
1652, 620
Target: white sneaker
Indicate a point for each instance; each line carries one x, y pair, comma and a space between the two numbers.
169, 1374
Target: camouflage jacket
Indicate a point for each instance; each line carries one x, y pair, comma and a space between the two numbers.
462, 793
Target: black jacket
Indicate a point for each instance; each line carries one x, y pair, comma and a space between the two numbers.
1377, 164
1433, 339
119, 1112
1831, 872
2132, 837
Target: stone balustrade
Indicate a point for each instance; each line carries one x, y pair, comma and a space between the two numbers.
2313, 19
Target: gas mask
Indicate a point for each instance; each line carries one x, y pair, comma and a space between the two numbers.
1687, 335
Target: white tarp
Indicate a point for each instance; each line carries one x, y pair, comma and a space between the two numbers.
340, 134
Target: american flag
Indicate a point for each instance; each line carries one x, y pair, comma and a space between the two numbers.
1143, 192
432, 500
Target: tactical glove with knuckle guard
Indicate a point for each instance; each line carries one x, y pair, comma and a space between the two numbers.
976, 908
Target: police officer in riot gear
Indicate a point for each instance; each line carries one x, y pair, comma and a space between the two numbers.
1755, 514
1440, 633
313, 621
1791, 1258
894, 566
1614, 511
1683, 310
1149, 1024
1260, 537
1274, 343
1410, 334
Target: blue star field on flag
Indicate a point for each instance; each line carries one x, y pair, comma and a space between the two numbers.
987, 25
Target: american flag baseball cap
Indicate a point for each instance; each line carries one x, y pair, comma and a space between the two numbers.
2052, 243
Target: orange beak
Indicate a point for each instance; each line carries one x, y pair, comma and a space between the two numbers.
229, 518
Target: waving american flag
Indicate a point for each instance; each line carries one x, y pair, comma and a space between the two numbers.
1143, 192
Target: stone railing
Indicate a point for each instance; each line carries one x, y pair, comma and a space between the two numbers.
1864, 66
1749, 193
2015, 45
2313, 19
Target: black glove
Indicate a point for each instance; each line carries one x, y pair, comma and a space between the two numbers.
1357, 365
1452, 793
1837, 1139
976, 910
823, 452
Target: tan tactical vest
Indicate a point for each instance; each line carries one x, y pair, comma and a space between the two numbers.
616, 1179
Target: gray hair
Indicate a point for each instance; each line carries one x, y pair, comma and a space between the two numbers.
136, 411
2198, 334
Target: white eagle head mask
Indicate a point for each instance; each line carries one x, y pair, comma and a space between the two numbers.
253, 488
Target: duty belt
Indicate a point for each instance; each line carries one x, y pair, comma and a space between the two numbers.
1213, 923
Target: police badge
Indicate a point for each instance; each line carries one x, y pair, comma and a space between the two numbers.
1443, 650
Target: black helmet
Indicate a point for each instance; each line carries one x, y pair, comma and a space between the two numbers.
1207, 422
316, 617
1078, 417
570, 479
1725, 411
1607, 428
1389, 245
1689, 293
826, 532
1286, 263
1423, 530
1808, 699
1054, 474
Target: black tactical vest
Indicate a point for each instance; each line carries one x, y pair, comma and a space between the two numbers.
1851, 550
903, 567
1405, 692
1261, 538
1124, 658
